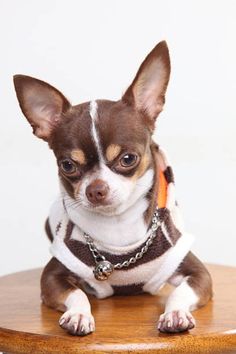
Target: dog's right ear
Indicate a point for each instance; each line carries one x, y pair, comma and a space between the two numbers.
42, 104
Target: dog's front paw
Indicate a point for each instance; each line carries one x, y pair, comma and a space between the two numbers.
76, 323
176, 321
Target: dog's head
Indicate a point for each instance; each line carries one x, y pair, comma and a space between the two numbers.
103, 148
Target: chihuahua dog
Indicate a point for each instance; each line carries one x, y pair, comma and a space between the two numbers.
116, 228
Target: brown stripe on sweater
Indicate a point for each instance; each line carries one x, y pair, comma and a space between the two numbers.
162, 213
69, 229
132, 289
58, 227
173, 232
159, 246
152, 193
169, 175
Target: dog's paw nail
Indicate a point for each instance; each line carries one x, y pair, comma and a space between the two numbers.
82, 330
62, 321
92, 327
74, 328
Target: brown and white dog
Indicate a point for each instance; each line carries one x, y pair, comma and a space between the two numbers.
113, 177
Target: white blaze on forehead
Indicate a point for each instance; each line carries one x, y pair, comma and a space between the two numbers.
94, 116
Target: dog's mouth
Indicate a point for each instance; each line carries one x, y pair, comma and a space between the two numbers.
107, 208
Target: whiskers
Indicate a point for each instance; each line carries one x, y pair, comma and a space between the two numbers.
71, 203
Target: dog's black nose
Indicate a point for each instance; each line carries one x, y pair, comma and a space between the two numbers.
97, 191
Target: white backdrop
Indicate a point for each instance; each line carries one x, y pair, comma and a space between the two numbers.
92, 49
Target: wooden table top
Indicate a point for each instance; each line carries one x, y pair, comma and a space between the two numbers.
123, 324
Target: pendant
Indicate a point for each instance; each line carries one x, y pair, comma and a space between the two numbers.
103, 270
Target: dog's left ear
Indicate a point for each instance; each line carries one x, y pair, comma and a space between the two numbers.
147, 91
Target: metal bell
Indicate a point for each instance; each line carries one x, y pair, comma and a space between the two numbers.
103, 270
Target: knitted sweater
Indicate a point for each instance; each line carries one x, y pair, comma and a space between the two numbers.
149, 273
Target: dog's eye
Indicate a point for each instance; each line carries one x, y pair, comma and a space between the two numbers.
68, 166
128, 160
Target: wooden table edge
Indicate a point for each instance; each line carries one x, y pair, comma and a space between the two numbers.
18, 342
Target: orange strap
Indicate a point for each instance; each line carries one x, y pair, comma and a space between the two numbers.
162, 191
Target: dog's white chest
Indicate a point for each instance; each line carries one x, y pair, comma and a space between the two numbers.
117, 231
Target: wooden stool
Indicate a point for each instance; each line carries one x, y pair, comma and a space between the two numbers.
123, 324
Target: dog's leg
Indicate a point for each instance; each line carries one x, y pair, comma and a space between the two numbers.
193, 290
60, 290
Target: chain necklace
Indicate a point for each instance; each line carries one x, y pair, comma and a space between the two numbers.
103, 268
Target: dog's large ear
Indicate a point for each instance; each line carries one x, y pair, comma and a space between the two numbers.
42, 104
147, 91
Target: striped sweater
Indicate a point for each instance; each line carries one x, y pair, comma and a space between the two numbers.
149, 273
